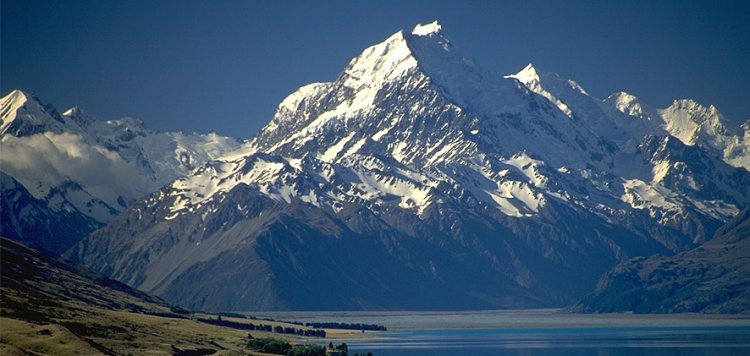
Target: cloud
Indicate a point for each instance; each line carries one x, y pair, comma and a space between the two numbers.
46, 160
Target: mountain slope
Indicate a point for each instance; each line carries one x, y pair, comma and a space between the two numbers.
281, 255
85, 168
26, 218
417, 180
52, 306
714, 278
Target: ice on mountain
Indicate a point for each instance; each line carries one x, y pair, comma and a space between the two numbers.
431, 28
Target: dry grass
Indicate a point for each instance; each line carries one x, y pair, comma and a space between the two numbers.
19, 337
49, 306
72, 328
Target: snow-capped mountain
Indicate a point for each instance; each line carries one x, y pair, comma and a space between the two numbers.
78, 166
418, 179
32, 220
624, 119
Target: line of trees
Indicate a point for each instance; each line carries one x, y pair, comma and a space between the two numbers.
264, 327
303, 332
356, 326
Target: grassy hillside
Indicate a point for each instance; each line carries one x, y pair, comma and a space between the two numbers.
51, 306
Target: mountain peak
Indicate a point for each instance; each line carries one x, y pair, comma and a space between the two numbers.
20, 114
626, 103
689, 110
430, 29
12, 102
622, 97
527, 75
73, 111
16, 95
79, 116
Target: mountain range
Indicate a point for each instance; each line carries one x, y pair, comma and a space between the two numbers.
65, 175
417, 180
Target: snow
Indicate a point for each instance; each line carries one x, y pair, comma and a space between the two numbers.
688, 121
444, 151
679, 121
641, 195
293, 100
466, 84
527, 75
222, 176
10, 105
411, 195
366, 76
333, 151
378, 135
285, 179
427, 29
627, 104
516, 199
660, 171
356, 147
31, 116
530, 78
412, 122
529, 167
399, 151
106, 161
428, 148
64, 157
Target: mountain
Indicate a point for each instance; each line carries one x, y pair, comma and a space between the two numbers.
33, 221
83, 170
419, 180
713, 278
51, 306
622, 117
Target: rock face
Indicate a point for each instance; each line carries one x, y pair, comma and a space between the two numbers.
418, 180
713, 278
64, 175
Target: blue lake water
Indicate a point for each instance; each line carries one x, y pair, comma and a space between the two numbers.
541, 332
560, 341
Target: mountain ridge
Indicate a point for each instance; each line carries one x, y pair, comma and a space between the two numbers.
84, 168
685, 119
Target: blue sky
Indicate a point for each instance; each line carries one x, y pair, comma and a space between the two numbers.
224, 65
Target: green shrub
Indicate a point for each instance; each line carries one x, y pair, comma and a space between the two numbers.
270, 346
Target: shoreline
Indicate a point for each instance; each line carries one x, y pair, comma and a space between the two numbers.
506, 319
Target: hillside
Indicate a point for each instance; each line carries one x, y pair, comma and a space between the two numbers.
713, 278
51, 306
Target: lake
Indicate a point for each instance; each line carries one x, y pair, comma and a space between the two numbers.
539, 332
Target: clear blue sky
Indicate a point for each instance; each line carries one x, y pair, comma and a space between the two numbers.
224, 65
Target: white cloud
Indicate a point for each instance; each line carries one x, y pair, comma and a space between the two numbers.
46, 160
